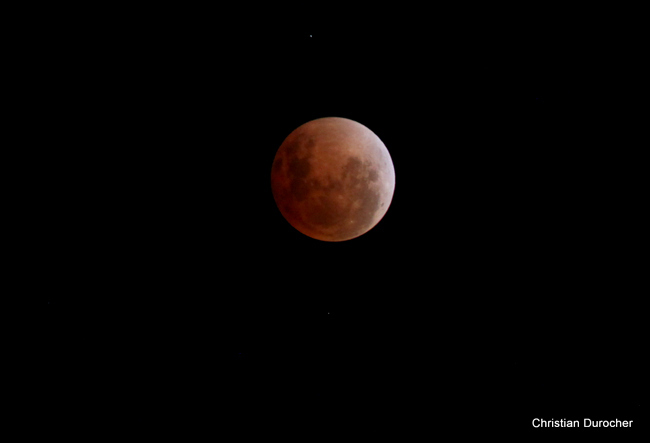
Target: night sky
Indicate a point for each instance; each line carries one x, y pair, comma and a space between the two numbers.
501, 279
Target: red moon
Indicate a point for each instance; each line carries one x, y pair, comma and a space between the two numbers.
333, 179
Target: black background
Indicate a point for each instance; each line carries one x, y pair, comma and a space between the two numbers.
500, 283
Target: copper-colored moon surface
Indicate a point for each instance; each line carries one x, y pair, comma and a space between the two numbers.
333, 179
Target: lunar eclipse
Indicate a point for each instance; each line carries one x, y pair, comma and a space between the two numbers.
333, 179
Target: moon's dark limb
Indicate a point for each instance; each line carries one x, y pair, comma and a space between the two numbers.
332, 179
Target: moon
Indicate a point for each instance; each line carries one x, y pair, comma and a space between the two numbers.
333, 179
